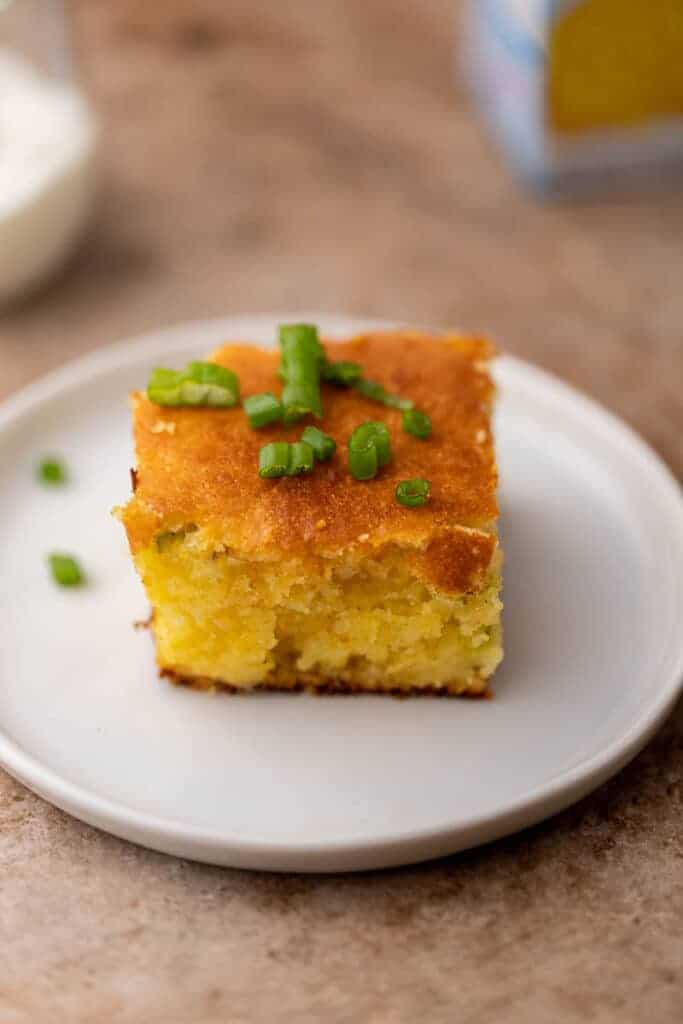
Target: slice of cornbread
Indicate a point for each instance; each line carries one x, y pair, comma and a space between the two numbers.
321, 581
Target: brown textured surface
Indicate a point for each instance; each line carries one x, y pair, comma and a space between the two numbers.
202, 467
231, 183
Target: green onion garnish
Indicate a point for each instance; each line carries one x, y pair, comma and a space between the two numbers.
322, 444
396, 402
343, 373
370, 389
279, 458
52, 471
412, 493
301, 359
65, 570
369, 450
163, 384
273, 459
198, 384
378, 434
363, 462
262, 409
417, 423
376, 393
300, 458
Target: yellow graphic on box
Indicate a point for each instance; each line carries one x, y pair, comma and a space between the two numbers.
613, 63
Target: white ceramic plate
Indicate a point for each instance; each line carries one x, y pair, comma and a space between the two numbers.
593, 535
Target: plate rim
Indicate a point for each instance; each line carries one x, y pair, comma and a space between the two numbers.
363, 853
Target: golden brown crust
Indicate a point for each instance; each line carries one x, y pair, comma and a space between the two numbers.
200, 465
473, 688
455, 560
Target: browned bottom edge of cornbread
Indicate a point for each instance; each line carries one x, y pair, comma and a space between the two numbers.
477, 689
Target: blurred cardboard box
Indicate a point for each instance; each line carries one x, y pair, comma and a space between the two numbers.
579, 89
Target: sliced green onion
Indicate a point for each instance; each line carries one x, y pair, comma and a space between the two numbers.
198, 384
363, 462
417, 423
322, 444
369, 449
164, 386
301, 334
279, 458
209, 384
342, 372
375, 433
396, 402
412, 493
65, 570
371, 389
262, 409
376, 393
273, 459
210, 373
52, 471
300, 458
190, 392
301, 359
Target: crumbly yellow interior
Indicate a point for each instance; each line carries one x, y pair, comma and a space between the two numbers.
368, 623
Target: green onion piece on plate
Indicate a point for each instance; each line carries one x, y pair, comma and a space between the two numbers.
412, 493
369, 450
262, 409
52, 471
300, 362
273, 459
65, 570
417, 423
322, 444
199, 384
343, 373
300, 458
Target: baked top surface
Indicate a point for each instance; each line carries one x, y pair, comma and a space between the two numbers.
200, 465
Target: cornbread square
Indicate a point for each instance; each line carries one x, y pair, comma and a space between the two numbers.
321, 581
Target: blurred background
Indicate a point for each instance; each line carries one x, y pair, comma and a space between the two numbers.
329, 156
